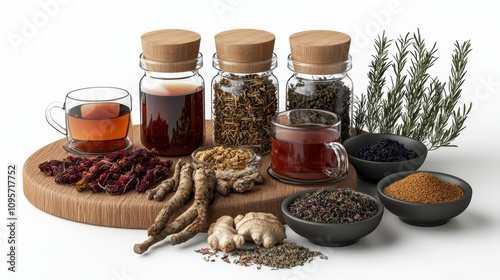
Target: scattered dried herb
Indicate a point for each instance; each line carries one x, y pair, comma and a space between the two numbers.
243, 106
416, 104
115, 173
424, 187
385, 150
287, 255
325, 94
339, 206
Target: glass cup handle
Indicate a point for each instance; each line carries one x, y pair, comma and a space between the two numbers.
50, 120
342, 160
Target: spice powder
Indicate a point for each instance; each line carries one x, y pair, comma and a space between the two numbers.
423, 187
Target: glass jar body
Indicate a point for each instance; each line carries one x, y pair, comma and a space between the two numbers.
243, 106
332, 93
172, 111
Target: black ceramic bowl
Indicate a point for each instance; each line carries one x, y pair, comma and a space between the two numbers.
372, 171
330, 234
425, 214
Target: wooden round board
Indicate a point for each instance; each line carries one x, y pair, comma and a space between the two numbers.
133, 209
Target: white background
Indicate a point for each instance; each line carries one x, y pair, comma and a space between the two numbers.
50, 47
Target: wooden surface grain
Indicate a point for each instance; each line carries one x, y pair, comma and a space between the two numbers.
133, 209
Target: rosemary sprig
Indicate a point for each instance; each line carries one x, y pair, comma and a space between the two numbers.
416, 105
422, 61
392, 107
379, 65
442, 134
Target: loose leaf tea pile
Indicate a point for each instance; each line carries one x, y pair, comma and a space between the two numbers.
340, 206
114, 173
286, 255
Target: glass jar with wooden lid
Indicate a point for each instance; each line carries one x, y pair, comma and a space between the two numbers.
172, 92
320, 62
245, 90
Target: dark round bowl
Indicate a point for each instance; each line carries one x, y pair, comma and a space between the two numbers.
425, 214
372, 171
330, 234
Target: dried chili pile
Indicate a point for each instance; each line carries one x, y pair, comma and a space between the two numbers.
114, 173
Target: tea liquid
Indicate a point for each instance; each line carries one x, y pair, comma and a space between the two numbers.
173, 119
300, 153
99, 127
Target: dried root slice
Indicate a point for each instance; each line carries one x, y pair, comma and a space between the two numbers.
180, 198
246, 182
223, 236
166, 185
238, 180
262, 228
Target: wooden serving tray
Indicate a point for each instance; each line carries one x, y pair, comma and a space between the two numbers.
133, 209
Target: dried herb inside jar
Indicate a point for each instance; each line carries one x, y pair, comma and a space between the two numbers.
323, 94
243, 108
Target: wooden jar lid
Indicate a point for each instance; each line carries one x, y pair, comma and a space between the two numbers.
244, 50
320, 51
171, 50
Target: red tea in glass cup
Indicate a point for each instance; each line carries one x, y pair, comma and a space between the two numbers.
305, 147
97, 120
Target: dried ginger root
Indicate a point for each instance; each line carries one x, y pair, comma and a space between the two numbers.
204, 182
223, 236
180, 198
262, 228
166, 185
237, 180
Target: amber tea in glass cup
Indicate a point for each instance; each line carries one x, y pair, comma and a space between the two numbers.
97, 120
306, 147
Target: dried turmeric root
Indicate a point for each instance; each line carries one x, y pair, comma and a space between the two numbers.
223, 236
166, 185
262, 228
204, 183
179, 199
